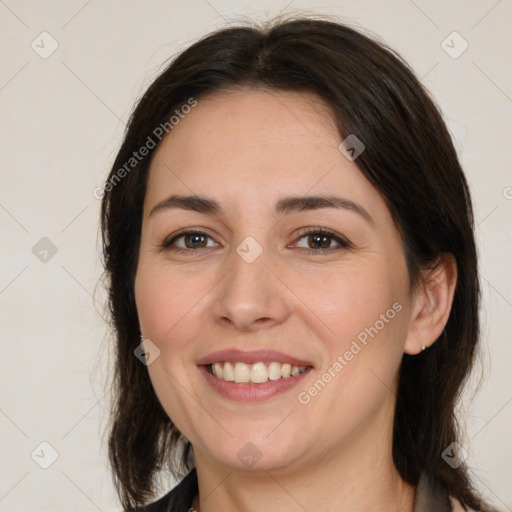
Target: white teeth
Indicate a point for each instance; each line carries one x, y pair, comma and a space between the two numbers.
242, 372
259, 373
256, 373
285, 370
274, 371
217, 370
228, 373
294, 371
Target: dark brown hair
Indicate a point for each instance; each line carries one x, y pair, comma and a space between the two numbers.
409, 159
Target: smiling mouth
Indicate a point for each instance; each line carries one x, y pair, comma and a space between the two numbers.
257, 373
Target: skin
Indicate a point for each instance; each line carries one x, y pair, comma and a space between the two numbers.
247, 149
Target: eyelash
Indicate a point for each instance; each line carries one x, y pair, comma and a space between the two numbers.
343, 243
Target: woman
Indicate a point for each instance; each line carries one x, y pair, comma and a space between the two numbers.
288, 237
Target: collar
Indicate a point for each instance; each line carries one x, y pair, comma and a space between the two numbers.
430, 496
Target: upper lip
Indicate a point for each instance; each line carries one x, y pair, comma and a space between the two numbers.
251, 357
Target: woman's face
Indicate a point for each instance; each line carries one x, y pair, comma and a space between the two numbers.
256, 284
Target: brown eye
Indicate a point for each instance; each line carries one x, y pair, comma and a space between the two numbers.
195, 240
321, 241
188, 241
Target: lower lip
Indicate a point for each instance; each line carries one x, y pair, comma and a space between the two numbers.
248, 392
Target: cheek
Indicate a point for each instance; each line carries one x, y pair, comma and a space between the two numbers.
164, 299
168, 305
356, 299
365, 310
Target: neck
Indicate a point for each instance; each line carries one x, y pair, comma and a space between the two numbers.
354, 477
352, 491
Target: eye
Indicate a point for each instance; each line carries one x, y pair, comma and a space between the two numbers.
187, 240
321, 239
317, 240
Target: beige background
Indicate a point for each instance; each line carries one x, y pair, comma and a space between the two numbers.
62, 119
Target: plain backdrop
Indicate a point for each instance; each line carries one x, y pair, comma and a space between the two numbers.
71, 72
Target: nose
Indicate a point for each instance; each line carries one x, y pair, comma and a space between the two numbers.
251, 296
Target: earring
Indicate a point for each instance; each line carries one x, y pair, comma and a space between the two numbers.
423, 348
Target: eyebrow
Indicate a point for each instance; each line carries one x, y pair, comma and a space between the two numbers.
284, 206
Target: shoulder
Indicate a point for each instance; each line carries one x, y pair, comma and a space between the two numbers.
432, 495
457, 507
179, 499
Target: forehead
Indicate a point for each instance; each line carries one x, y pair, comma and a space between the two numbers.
248, 143
229, 122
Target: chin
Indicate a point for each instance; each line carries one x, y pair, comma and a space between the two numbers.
254, 452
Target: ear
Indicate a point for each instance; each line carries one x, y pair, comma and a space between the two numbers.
432, 304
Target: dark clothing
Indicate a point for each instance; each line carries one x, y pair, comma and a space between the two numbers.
178, 499
429, 498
